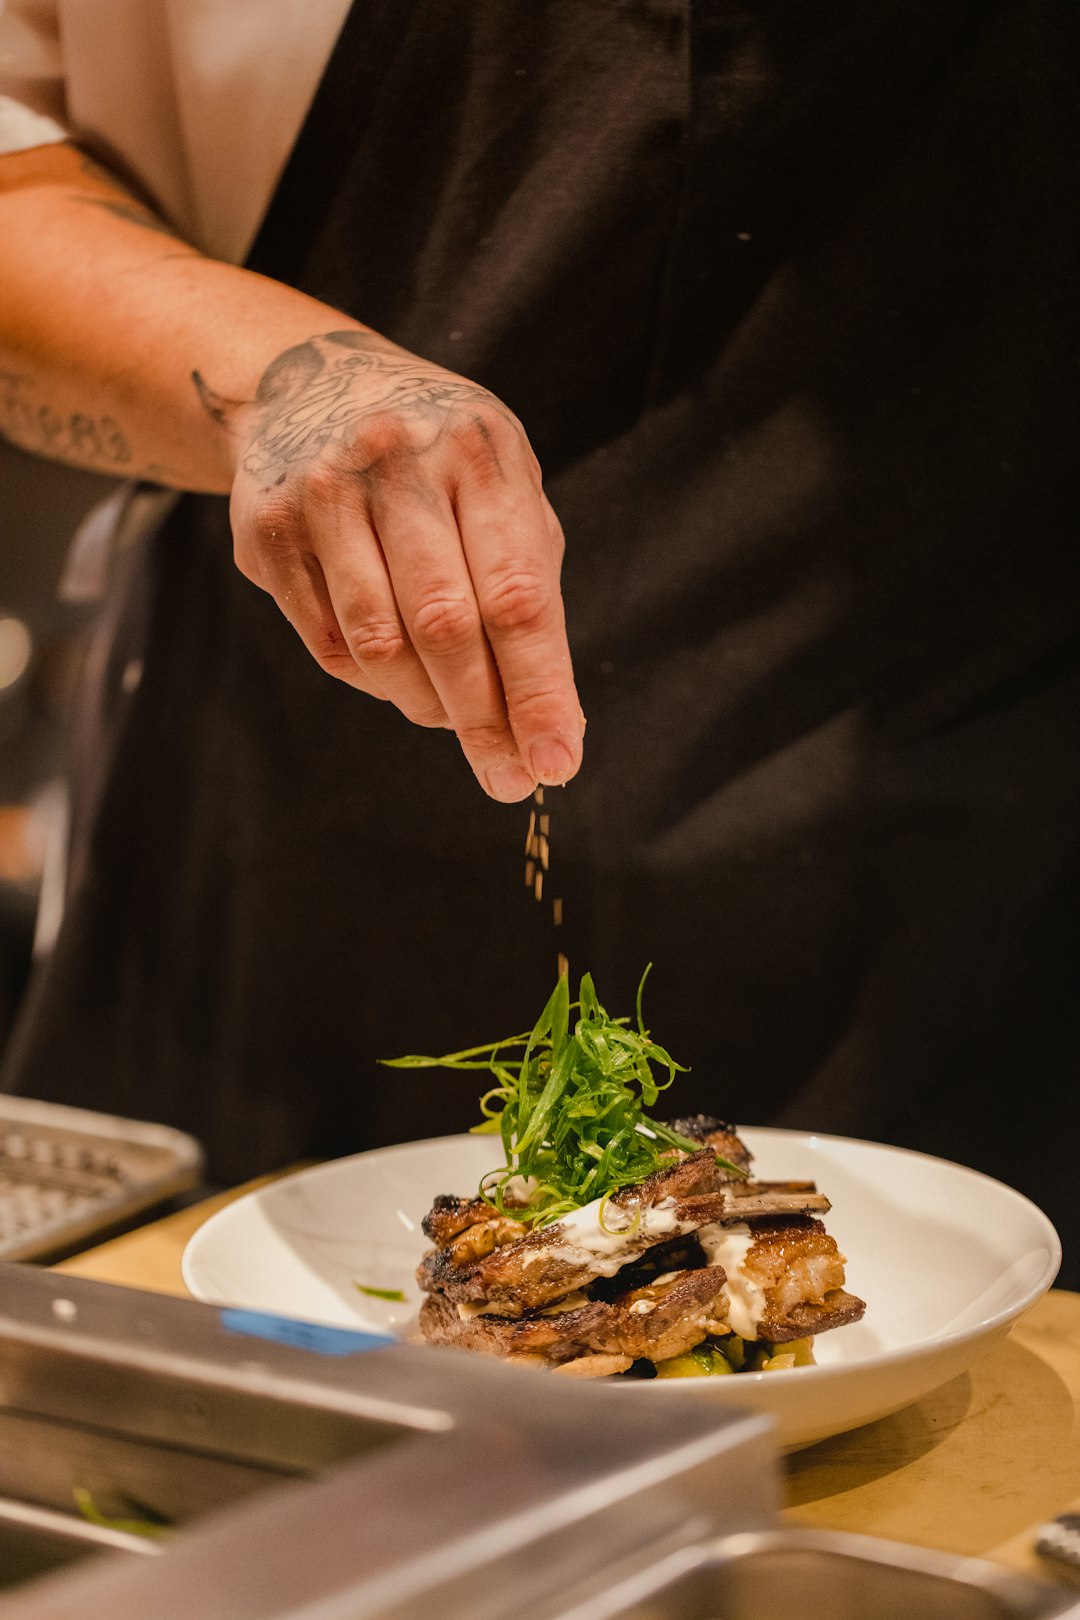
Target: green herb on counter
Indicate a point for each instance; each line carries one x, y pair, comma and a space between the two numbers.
396, 1295
144, 1521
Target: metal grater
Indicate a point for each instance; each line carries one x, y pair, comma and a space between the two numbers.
67, 1174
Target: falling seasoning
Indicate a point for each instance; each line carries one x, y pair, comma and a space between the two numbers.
538, 863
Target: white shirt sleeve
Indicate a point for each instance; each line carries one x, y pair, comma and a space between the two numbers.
31, 75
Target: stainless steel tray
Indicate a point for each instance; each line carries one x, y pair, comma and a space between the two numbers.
67, 1174
814, 1575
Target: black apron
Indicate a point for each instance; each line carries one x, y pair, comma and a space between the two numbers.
785, 296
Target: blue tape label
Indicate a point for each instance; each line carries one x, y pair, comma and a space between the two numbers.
325, 1341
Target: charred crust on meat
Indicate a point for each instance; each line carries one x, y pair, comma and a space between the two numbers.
657, 1321
698, 1127
449, 1215
717, 1135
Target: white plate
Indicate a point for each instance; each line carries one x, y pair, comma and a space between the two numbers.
945, 1258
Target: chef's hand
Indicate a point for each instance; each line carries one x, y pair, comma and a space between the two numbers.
392, 509
395, 513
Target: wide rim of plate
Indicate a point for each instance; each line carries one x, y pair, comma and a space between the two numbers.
936, 1344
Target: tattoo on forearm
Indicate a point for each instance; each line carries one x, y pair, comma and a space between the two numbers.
88, 441
320, 392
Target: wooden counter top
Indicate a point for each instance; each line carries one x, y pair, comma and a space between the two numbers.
971, 1469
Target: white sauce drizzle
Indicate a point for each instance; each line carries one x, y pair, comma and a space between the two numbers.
467, 1310
587, 1243
728, 1246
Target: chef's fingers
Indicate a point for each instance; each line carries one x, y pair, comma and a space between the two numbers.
514, 557
362, 595
326, 572
422, 545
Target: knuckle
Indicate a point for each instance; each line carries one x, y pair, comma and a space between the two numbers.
481, 738
380, 644
515, 600
339, 665
383, 437
271, 528
320, 483
542, 709
330, 651
444, 623
486, 435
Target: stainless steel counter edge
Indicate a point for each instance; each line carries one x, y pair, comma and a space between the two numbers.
497, 1478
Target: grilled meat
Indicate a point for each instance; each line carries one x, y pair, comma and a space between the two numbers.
785, 1277
640, 1274
664, 1318
448, 1216
600, 1239
567, 1254
714, 1133
596, 1241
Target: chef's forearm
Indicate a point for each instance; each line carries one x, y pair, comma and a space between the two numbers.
106, 319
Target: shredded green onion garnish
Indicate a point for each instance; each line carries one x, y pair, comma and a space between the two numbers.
569, 1102
617, 1231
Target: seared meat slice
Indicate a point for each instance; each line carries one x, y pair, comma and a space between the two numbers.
664, 1318
836, 1309
747, 1200
448, 1217
467, 1228
596, 1241
481, 1239
600, 1239
785, 1277
723, 1139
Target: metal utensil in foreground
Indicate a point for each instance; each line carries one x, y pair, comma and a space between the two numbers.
313, 1471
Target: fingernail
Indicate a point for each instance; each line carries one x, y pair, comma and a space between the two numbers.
509, 782
552, 761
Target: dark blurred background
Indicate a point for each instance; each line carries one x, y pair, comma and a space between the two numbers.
41, 648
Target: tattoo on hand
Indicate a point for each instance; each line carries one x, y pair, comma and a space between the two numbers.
88, 441
319, 392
